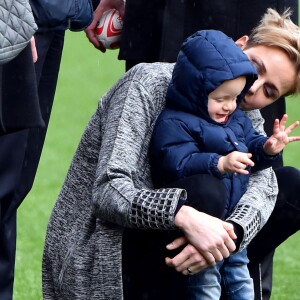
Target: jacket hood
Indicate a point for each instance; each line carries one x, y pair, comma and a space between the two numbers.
206, 59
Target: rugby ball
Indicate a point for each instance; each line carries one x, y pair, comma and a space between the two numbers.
109, 29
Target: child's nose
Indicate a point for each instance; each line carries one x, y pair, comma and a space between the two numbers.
228, 106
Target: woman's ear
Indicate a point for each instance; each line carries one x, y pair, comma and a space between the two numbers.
242, 41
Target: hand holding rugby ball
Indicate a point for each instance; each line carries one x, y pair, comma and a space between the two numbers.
109, 29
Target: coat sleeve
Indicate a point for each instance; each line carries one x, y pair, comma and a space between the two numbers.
123, 193
257, 204
75, 15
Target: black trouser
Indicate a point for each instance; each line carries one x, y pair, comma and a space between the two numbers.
20, 154
145, 275
283, 222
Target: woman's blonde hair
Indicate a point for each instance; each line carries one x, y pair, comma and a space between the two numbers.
279, 31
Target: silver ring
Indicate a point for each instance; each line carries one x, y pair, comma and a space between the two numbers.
189, 270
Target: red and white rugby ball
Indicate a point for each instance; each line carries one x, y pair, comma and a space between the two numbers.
109, 29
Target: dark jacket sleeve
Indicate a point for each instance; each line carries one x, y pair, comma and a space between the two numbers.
75, 15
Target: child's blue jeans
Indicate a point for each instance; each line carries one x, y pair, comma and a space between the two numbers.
232, 272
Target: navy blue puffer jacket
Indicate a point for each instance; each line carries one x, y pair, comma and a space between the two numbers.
186, 141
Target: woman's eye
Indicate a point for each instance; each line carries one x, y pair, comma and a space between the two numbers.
257, 67
267, 92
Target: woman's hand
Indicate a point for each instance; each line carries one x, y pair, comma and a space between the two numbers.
211, 237
103, 6
33, 50
188, 258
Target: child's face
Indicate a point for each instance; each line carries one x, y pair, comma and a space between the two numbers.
222, 101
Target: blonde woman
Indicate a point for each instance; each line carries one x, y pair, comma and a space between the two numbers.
108, 189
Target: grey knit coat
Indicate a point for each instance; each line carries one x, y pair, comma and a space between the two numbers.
108, 187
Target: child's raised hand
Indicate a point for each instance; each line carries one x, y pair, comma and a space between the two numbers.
235, 162
280, 137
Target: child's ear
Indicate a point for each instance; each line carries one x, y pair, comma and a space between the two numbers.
242, 41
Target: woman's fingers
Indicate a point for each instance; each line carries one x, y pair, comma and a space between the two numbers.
190, 258
177, 243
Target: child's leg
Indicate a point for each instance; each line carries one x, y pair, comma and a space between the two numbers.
205, 193
205, 285
236, 279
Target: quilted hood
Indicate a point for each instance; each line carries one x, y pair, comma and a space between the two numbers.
206, 59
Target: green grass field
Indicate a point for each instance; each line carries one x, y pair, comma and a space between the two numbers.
85, 75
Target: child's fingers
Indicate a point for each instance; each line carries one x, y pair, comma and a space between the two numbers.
292, 127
